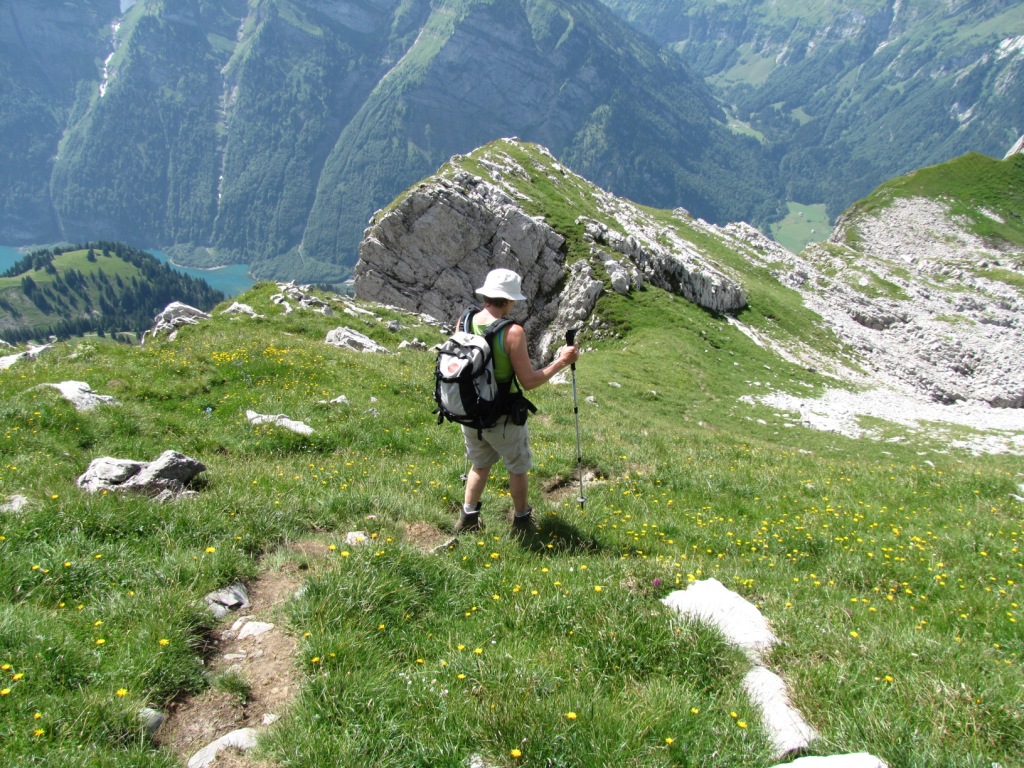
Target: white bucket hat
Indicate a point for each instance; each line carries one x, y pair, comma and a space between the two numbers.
502, 284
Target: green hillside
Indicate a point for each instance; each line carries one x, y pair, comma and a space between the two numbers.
892, 574
268, 133
104, 287
985, 194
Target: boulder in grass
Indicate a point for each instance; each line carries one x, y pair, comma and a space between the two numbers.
279, 420
81, 395
739, 621
346, 338
8, 360
15, 504
170, 473
175, 315
227, 600
238, 308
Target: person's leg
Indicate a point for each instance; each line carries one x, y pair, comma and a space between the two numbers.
481, 456
476, 481
519, 487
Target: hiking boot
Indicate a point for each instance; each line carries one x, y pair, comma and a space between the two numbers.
524, 523
469, 521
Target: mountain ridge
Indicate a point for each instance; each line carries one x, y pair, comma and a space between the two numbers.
850, 95
224, 133
922, 282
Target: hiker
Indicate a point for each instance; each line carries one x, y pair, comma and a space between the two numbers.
506, 440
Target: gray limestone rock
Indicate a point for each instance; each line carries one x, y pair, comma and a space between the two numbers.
227, 600
170, 472
174, 316
434, 249
81, 395
237, 308
33, 351
431, 251
280, 420
15, 504
243, 739
346, 338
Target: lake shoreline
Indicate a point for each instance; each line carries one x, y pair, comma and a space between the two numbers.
231, 279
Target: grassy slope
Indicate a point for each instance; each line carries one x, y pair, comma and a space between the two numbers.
803, 224
970, 184
893, 577
31, 315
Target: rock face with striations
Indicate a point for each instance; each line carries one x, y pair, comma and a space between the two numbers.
434, 249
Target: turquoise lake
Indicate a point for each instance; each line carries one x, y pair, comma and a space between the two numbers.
232, 279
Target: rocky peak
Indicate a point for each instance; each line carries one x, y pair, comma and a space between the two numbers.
434, 246
432, 250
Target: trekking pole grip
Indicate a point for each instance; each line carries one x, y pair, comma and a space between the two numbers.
570, 340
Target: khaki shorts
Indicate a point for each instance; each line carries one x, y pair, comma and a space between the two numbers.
507, 441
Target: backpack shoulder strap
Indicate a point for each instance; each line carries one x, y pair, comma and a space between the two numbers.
466, 318
497, 327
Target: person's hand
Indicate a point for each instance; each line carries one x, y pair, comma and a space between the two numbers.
569, 355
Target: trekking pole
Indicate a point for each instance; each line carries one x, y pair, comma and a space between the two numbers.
570, 338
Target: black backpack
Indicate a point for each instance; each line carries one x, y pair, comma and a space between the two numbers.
465, 388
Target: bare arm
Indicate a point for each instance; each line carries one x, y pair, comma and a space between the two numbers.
529, 377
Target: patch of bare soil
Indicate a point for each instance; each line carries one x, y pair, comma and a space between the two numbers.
426, 537
254, 657
559, 487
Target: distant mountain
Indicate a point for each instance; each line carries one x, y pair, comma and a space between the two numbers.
96, 287
269, 132
851, 93
40, 92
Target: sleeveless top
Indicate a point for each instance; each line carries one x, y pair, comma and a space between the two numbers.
502, 362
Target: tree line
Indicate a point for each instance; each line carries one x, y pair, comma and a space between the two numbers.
74, 302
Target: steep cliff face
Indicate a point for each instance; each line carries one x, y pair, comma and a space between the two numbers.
47, 52
268, 132
855, 93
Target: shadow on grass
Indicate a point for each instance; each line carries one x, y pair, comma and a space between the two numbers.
554, 536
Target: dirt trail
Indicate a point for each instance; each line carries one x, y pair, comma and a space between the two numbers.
259, 662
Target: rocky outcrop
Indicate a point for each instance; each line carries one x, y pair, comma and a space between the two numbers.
346, 338
290, 292
432, 250
679, 269
175, 315
920, 298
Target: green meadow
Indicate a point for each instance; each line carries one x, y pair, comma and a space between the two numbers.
891, 572
803, 224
